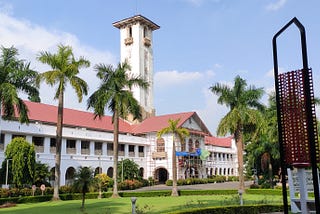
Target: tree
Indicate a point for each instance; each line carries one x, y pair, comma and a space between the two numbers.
16, 76
41, 174
128, 169
181, 133
83, 181
21, 154
65, 69
244, 113
114, 93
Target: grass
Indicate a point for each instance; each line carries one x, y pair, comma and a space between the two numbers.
150, 205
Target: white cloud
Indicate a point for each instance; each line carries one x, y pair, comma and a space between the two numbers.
276, 5
30, 39
212, 112
174, 78
270, 73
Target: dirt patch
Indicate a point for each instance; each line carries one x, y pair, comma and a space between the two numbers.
8, 204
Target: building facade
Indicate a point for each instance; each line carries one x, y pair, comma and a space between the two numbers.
89, 142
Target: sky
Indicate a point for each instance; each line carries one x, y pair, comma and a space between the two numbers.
199, 43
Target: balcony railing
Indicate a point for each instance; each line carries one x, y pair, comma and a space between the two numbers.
159, 155
71, 150
141, 154
39, 149
85, 151
131, 154
109, 152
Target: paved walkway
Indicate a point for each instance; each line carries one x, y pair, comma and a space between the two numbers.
225, 185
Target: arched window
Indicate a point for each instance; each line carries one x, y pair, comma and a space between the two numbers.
98, 170
129, 31
197, 144
145, 32
141, 172
160, 145
110, 172
70, 175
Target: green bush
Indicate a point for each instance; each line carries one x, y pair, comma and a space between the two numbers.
264, 191
65, 189
129, 185
169, 182
245, 209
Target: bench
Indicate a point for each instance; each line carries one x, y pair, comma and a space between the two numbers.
299, 189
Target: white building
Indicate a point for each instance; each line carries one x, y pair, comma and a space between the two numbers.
89, 142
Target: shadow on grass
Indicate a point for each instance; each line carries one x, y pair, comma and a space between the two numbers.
71, 207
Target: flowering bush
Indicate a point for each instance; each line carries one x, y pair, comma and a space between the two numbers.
129, 185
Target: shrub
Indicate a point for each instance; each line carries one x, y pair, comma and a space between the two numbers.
169, 182
129, 185
65, 189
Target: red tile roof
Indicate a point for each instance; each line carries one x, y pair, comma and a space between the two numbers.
156, 123
48, 114
221, 142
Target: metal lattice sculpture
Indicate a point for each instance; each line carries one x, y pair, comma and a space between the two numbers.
294, 120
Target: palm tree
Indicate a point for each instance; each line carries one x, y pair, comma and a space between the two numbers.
181, 133
115, 95
64, 70
15, 76
83, 181
244, 104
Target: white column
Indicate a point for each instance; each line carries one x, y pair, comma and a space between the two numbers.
78, 147
46, 145
91, 148
63, 146
104, 148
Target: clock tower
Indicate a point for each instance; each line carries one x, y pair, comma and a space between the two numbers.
136, 48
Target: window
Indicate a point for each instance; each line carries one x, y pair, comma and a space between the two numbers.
71, 146
52, 145
98, 148
145, 32
190, 145
129, 31
121, 149
2, 142
141, 151
131, 151
110, 149
160, 145
85, 147
38, 143
197, 144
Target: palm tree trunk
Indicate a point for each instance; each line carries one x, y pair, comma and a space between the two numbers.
115, 154
238, 138
83, 199
174, 170
58, 148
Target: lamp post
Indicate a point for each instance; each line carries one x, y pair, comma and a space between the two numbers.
7, 172
122, 169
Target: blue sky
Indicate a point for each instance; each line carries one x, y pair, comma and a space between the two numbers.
200, 43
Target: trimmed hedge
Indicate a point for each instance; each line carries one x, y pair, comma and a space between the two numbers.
264, 191
245, 209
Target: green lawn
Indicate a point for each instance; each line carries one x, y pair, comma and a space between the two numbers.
146, 204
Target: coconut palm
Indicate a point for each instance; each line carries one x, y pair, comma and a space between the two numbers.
244, 112
15, 76
65, 69
83, 181
114, 94
181, 133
